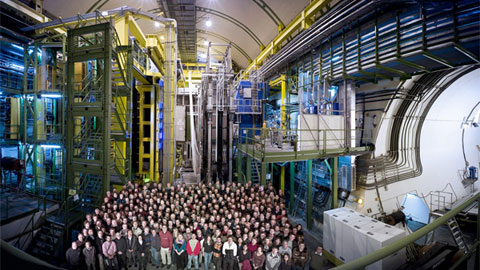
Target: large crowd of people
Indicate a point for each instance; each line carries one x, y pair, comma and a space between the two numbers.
222, 226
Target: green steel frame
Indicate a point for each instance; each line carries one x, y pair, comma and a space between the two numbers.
89, 101
34, 118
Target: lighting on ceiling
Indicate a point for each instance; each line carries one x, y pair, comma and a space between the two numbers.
52, 146
104, 13
208, 23
157, 24
17, 46
162, 38
202, 55
51, 96
205, 42
360, 201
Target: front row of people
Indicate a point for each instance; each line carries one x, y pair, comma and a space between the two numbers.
139, 250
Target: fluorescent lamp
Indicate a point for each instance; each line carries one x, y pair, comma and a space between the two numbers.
157, 24
335, 58
17, 46
51, 96
208, 23
104, 13
51, 146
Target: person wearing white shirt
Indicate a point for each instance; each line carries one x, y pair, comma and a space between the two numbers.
229, 251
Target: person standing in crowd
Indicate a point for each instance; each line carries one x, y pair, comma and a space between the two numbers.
273, 260
180, 249
109, 249
229, 251
318, 261
286, 263
207, 248
285, 249
300, 256
217, 254
99, 246
89, 255
131, 242
258, 259
147, 241
193, 249
156, 248
121, 250
73, 256
142, 251
244, 258
166, 241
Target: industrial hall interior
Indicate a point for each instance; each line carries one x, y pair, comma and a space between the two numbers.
240, 134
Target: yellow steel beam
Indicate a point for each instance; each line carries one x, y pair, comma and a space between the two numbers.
39, 18
136, 31
303, 21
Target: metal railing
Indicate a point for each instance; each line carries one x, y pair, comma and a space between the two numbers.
377, 255
258, 141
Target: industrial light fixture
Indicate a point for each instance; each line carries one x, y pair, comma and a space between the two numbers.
157, 24
208, 23
104, 13
52, 146
51, 95
162, 38
17, 46
205, 42
360, 201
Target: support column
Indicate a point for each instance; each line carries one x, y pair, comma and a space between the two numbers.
282, 179
292, 186
239, 167
477, 258
263, 174
309, 194
249, 168
335, 183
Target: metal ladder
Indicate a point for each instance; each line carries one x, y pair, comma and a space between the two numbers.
457, 234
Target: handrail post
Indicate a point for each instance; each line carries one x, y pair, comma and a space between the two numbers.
477, 258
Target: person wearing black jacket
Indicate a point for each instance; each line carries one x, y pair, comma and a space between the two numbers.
99, 247
131, 242
73, 256
148, 239
286, 263
121, 250
142, 252
89, 256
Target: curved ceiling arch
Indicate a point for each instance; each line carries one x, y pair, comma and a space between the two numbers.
232, 20
234, 45
262, 17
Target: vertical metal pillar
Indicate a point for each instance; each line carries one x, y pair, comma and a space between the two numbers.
292, 186
282, 179
335, 183
249, 168
239, 167
309, 194
477, 258
263, 174
169, 105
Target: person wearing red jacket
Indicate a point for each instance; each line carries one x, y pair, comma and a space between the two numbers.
166, 242
193, 249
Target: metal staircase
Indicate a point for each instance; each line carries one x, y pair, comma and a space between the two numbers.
457, 234
255, 169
